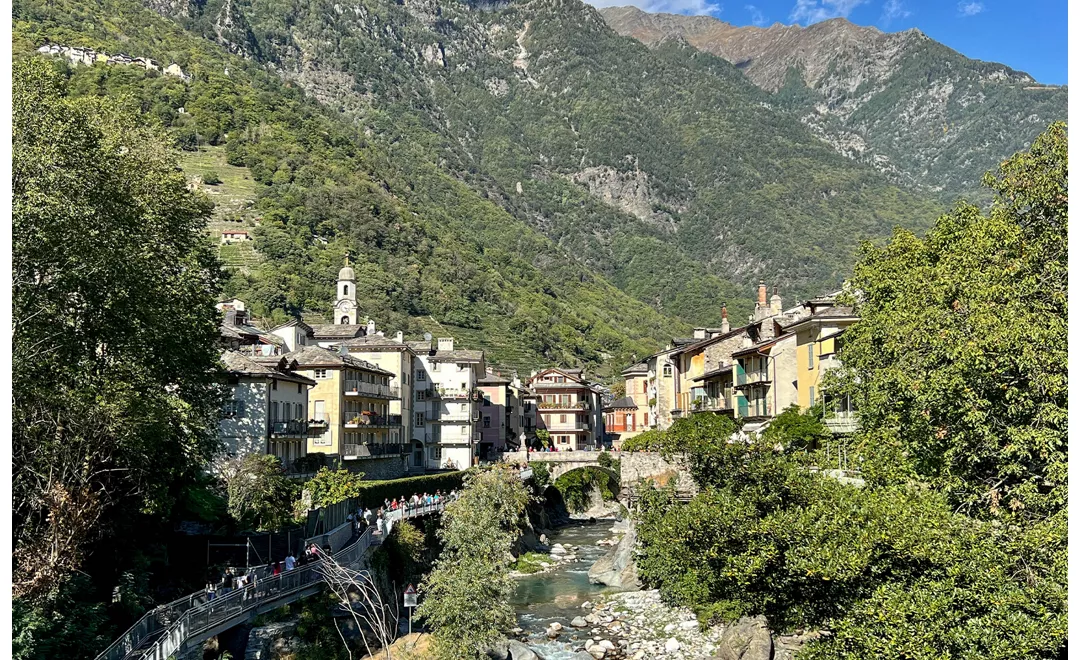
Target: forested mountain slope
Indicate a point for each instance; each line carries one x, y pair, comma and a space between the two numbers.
902, 102
430, 253
662, 169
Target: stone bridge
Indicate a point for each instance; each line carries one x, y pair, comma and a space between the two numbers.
633, 467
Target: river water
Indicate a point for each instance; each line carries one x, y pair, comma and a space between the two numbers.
557, 595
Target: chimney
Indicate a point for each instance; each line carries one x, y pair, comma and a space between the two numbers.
725, 327
699, 333
446, 343
399, 337
230, 316
342, 350
775, 301
240, 317
762, 291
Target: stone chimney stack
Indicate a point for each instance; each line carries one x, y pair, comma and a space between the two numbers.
725, 327
761, 308
446, 343
399, 337
699, 333
762, 291
775, 302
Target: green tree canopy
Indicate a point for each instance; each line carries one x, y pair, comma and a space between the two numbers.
113, 356
261, 495
332, 486
959, 364
466, 597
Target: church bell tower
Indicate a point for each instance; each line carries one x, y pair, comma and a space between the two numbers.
345, 307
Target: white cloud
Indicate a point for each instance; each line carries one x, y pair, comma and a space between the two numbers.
756, 17
689, 7
813, 11
892, 10
969, 8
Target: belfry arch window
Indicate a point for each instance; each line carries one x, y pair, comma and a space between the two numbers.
344, 320
346, 289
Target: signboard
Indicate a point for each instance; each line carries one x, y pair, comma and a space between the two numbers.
410, 597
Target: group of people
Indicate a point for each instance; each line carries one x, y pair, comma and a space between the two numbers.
232, 580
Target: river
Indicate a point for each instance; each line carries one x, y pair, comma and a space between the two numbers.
557, 595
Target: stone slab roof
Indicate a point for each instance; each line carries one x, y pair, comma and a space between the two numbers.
625, 402
337, 330
308, 357
242, 365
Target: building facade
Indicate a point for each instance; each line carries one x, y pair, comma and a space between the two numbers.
818, 339
569, 408
353, 397
267, 410
446, 407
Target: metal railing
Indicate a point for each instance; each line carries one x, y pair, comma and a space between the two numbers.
360, 387
845, 422
368, 450
456, 393
709, 403
294, 427
558, 405
378, 421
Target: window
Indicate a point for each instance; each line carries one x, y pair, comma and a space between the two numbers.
322, 440
344, 320
299, 388
321, 374
562, 419
345, 289
462, 366
487, 402
273, 383
465, 431
275, 407
813, 398
464, 407
487, 422
234, 408
810, 356
435, 453
320, 411
667, 371
421, 376
418, 419
645, 419
434, 366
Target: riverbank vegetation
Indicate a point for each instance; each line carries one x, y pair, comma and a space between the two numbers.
956, 543
577, 487
466, 598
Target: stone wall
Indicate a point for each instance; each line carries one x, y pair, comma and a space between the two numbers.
384, 467
636, 466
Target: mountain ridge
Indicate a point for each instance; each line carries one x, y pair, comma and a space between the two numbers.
899, 101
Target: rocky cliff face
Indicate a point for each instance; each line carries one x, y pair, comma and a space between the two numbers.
901, 102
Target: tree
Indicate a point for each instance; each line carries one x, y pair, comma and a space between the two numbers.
466, 596
329, 487
795, 429
958, 366
260, 494
114, 363
543, 438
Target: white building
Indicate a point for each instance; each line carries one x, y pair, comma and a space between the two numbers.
267, 411
446, 410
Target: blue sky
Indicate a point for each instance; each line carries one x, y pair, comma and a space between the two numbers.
1031, 36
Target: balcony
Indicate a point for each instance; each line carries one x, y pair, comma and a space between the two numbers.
372, 421
291, 429
556, 427
752, 378
538, 386
457, 393
559, 405
368, 450
710, 404
317, 425
364, 388
842, 423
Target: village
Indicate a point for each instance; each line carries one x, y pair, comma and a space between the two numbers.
345, 394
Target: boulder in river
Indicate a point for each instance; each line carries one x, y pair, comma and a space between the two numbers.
579, 622
617, 568
746, 639
519, 651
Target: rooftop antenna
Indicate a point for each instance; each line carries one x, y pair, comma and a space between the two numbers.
427, 336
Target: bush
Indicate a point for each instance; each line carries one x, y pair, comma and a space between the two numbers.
211, 178
373, 493
576, 485
329, 487
541, 475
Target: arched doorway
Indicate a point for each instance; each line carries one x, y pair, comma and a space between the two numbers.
417, 454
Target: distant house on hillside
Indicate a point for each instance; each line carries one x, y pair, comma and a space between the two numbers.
230, 236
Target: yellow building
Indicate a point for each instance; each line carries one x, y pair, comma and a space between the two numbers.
353, 397
817, 341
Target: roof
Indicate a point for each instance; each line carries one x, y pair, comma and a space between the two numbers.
827, 314
570, 373
293, 322
701, 343
240, 364
761, 346
457, 355
375, 341
625, 402
493, 379
640, 367
683, 341
308, 357
715, 372
337, 330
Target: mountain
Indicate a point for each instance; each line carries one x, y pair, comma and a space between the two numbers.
517, 173
664, 170
902, 102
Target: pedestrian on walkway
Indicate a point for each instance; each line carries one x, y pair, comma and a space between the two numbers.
369, 517
290, 561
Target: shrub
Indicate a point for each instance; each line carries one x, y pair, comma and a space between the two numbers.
374, 493
211, 178
576, 485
